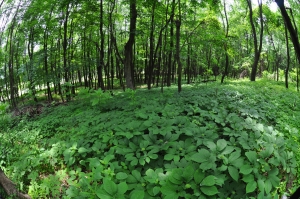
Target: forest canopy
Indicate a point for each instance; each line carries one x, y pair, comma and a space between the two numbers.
58, 46
149, 99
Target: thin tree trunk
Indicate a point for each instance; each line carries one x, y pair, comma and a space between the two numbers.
288, 58
178, 24
226, 29
257, 48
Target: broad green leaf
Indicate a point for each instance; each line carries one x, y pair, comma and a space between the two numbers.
131, 179
246, 169
211, 145
198, 176
109, 186
121, 176
206, 165
103, 196
268, 151
175, 181
252, 156
209, 181
248, 178
268, 186
233, 156
94, 162
201, 156
223, 168
238, 162
82, 150
188, 173
234, 173
221, 144
251, 186
168, 189
134, 162
228, 150
136, 174
122, 188
274, 180
261, 185
155, 190
169, 156
137, 194
209, 191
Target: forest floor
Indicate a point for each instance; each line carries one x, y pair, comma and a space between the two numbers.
236, 140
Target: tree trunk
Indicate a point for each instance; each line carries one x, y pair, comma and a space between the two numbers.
101, 50
178, 24
128, 65
151, 56
289, 25
257, 48
10, 188
169, 73
288, 58
226, 29
65, 48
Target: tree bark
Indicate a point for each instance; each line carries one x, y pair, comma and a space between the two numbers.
179, 71
257, 48
128, 65
226, 29
101, 50
288, 58
10, 187
289, 25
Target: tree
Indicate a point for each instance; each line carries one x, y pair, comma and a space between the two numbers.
290, 27
128, 62
257, 47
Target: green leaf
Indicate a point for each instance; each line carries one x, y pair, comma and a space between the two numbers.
268, 151
228, 150
274, 180
233, 172
252, 156
268, 186
251, 186
201, 156
121, 176
102, 194
155, 190
209, 191
109, 186
137, 194
206, 165
168, 189
136, 174
122, 188
246, 169
248, 178
82, 150
261, 185
169, 156
233, 156
221, 144
188, 173
198, 176
211, 145
209, 181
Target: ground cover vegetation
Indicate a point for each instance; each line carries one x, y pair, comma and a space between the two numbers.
89, 106
238, 140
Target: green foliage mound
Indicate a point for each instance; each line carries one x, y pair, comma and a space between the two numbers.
231, 141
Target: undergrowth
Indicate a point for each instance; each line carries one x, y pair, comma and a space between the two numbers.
238, 140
